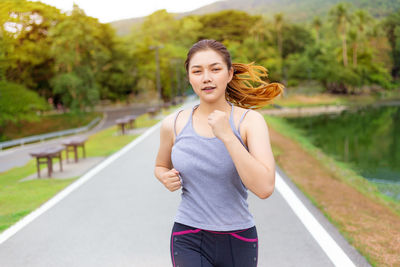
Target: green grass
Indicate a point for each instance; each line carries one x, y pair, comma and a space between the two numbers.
18, 199
107, 142
339, 169
46, 124
390, 190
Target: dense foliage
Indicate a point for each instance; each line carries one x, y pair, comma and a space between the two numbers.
73, 60
18, 103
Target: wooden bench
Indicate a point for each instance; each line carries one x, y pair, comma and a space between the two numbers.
131, 120
153, 111
122, 123
72, 144
45, 156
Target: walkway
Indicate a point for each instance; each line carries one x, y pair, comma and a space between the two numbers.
118, 214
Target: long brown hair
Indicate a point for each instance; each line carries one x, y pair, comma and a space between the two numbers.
248, 88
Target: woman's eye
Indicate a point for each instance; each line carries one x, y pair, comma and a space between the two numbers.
216, 69
196, 71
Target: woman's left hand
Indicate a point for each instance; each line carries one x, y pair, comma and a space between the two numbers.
219, 122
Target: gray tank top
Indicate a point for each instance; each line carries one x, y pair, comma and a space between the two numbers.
213, 195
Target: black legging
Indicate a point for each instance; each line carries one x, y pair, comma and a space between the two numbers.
193, 247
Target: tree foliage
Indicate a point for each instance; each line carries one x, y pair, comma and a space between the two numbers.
76, 61
19, 103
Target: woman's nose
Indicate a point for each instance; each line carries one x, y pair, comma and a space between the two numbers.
206, 77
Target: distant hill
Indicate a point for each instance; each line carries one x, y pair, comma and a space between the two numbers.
293, 10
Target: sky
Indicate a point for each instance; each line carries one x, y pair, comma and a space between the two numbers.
111, 10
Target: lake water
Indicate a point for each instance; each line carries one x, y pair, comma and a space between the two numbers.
367, 138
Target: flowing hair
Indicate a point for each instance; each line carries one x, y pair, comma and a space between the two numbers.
248, 87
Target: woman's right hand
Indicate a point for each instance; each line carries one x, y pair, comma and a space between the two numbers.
171, 180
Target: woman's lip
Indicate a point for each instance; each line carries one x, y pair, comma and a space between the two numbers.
208, 88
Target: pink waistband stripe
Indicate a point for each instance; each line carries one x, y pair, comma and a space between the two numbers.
232, 234
245, 239
187, 232
214, 232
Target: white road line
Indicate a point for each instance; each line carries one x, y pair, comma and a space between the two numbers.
329, 246
68, 190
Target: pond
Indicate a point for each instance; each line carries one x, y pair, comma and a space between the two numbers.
368, 138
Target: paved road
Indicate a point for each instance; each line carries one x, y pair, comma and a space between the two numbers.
19, 156
120, 215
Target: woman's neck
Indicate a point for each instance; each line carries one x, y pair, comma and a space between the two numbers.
205, 108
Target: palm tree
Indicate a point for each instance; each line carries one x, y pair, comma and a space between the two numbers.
340, 17
392, 29
258, 30
353, 38
362, 19
317, 25
278, 20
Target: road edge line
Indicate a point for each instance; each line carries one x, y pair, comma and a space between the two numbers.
324, 240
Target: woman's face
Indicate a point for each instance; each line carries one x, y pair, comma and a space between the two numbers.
209, 75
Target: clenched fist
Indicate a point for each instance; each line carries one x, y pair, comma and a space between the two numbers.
219, 123
170, 180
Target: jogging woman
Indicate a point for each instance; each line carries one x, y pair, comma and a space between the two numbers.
215, 152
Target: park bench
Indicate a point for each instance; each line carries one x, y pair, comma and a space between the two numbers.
72, 144
45, 156
123, 122
131, 120
126, 121
153, 111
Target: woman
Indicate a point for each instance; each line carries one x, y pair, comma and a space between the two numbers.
215, 152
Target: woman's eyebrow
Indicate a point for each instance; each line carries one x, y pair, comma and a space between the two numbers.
198, 66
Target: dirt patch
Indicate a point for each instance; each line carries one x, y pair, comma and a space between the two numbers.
373, 229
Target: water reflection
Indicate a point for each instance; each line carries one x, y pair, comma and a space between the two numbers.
367, 138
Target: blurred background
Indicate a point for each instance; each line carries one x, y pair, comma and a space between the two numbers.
60, 67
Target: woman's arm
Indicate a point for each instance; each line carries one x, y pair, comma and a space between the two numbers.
256, 167
162, 170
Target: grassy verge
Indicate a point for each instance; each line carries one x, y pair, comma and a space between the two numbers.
341, 169
46, 124
17, 199
368, 219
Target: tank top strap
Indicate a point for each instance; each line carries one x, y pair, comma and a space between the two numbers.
176, 116
241, 119
189, 120
231, 118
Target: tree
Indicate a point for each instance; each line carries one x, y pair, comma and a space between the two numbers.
392, 27
79, 54
278, 21
19, 103
340, 17
316, 24
228, 25
361, 21
24, 37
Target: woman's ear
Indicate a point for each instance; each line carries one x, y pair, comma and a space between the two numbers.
231, 71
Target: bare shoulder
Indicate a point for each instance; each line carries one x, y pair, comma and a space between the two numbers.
169, 124
252, 119
255, 116
181, 120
